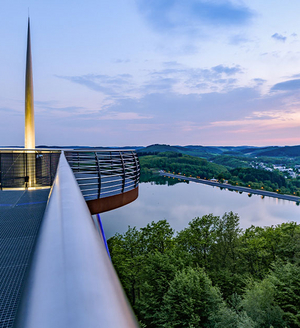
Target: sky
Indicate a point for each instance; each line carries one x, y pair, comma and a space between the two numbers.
140, 72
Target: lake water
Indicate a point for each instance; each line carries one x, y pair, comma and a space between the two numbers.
182, 202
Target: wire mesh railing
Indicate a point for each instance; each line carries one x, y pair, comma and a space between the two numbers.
104, 173
21, 168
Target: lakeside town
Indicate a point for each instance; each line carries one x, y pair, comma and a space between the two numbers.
289, 171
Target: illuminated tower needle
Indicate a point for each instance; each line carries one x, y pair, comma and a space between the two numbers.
30, 178
29, 106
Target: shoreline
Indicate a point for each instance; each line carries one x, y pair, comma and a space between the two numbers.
292, 198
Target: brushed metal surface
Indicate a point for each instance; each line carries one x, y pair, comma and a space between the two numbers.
29, 105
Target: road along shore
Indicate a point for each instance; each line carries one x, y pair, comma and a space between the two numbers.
231, 187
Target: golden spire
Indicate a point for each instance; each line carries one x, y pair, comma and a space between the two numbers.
29, 106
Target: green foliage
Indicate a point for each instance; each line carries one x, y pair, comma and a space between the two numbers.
228, 318
232, 162
199, 238
157, 237
271, 153
236, 169
190, 300
228, 233
260, 247
254, 251
286, 279
288, 151
186, 164
259, 304
198, 151
152, 176
211, 274
248, 175
159, 269
225, 266
126, 254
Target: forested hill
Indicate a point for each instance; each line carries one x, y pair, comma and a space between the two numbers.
204, 151
225, 168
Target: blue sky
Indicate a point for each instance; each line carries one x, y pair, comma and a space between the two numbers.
138, 72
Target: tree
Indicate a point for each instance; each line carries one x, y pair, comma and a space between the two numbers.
199, 238
259, 304
190, 300
176, 281
253, 251
225, 267
127, 258
289, 245
130, 254
157, 273
228, 318
286, 279
228, 240
157, 237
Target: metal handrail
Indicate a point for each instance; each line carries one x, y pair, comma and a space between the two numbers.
71, 281
103, 173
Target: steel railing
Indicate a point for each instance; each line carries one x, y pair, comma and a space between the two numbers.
71, 281
21, 168
99, 173
104, 173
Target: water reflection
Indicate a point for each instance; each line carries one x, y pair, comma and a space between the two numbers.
180, 202
160, 179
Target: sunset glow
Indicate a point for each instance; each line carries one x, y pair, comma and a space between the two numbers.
143, 72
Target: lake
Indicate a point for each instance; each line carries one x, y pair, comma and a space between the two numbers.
182, 202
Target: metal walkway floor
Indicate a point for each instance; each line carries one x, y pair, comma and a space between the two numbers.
21, 213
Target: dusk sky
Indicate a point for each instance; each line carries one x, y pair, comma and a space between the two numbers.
139, 72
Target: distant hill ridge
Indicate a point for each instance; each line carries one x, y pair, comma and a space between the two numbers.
194, 150
199, 151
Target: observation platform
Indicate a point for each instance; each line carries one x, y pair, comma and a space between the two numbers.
107, 179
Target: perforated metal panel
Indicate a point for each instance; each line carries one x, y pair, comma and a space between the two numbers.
18, 167
21, 213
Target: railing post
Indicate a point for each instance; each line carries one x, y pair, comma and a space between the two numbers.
50, 165
99, 174
123, 166
25, 158
78, 162
136, 169
111, 160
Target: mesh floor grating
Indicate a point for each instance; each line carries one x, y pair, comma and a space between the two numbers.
21, 214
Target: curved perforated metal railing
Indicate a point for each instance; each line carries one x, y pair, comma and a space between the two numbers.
104, 173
